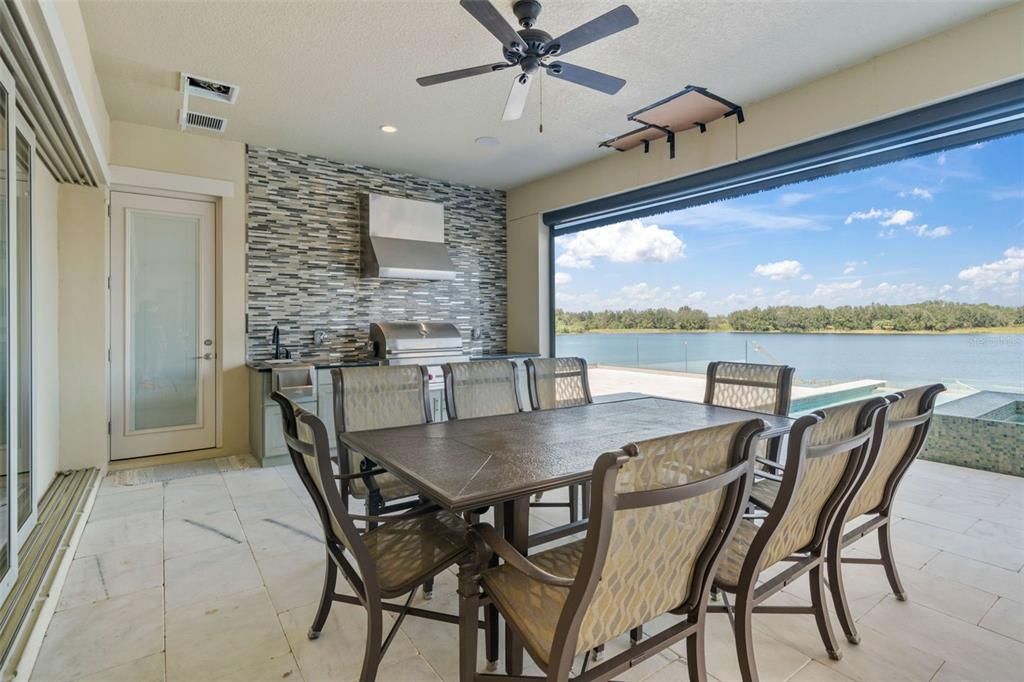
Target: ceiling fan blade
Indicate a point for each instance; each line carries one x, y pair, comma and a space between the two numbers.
460, 73
618, 19
589, 78
491, 19
516, 101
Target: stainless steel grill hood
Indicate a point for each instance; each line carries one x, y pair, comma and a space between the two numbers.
403, 239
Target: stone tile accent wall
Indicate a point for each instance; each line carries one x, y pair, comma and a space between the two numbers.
969, 432
303, 257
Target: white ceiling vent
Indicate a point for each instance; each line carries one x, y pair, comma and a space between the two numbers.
208, 88
194, 119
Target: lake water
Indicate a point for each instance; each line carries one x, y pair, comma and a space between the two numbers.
979, 361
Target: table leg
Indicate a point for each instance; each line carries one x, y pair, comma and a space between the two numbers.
516, 515
469, 613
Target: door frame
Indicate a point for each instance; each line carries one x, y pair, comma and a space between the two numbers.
7, 581
162, 182
25, 130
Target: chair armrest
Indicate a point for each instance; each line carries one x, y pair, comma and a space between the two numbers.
513, 558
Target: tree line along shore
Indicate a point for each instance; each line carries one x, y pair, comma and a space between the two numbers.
930, 316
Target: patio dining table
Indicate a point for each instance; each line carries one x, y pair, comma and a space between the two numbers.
502, 461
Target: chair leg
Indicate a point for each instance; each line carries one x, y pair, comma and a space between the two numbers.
819, 604
744, 616
374, 631
636, 634
469, 613
326, 599
695, 661
585, 499
375, 506
835, 584
889, 561
428, 589
574, 503
491, 637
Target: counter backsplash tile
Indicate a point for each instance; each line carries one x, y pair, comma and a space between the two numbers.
303, 257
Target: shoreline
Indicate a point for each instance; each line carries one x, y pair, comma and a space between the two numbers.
1017, 329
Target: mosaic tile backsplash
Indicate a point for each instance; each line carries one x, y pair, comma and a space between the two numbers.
303, 258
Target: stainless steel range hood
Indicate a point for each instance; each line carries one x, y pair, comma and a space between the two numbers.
403, 239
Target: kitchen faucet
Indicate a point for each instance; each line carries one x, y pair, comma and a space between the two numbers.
275, 338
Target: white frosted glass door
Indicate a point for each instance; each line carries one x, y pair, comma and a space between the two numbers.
163, 317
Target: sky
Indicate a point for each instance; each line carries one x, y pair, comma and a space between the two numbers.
946, 226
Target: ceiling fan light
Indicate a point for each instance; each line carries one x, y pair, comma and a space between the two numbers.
387, 128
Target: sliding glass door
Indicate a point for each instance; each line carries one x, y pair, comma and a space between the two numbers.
8, 405
25, 482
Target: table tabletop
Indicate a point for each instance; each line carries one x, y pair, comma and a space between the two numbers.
465, 464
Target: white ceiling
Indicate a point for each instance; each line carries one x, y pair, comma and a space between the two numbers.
321, 77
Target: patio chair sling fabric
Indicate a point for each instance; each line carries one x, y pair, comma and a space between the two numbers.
374, 398
400, 553
558, 382
906, 427
480, 389
826, 453
749, 386
663, 510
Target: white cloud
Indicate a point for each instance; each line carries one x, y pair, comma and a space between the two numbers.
806, 276
852, 265
793, 198
783, 269
899, 217
945, 288
1000, 273
848, 270
933, 233
641, 292
941, 160
864, 215
887, 234
562, 278
918, 193
627, 242
696, 297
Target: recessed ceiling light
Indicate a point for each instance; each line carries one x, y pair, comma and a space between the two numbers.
488, 141
388, 129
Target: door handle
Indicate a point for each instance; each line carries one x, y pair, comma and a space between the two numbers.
204, 356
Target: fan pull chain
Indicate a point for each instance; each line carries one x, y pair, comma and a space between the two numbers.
541, 79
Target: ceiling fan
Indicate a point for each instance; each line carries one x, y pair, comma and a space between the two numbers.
531, 49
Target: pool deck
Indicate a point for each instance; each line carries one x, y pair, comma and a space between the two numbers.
682, 386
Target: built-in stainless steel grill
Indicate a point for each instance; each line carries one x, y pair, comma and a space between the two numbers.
418, 343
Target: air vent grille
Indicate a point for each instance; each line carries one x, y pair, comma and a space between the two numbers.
210, 89
205, 122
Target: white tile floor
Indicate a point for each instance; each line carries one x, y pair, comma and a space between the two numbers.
216, 577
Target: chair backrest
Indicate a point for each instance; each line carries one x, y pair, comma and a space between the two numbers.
750, 386
557, 382
480, 389
826, 452
308, 444
906, 427
662, 511
368, 398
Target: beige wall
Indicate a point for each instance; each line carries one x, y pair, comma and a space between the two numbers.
45, 353
82, 244
966, 58
170, 151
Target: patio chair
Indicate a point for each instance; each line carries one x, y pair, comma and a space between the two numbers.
398, 555
663, 511
480, 389
754, 387
906, 427
555, 383
368, 398
826, 452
